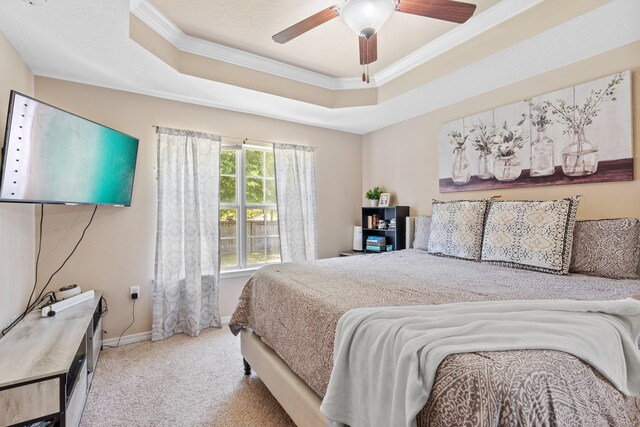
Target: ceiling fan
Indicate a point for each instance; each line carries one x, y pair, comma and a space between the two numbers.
365, 17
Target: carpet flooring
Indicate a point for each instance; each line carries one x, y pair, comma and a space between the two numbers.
181, 381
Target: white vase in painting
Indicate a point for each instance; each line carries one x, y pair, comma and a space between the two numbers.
580, 158
542, 155
507, 168
485, 165
461, 172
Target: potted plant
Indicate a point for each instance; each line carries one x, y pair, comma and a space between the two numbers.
373, 195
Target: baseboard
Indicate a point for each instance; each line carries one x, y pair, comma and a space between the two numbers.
144, 336
127, 339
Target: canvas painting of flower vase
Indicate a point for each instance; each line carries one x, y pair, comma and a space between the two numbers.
577, 135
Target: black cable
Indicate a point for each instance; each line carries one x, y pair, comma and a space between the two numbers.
30, 305
35, 281
105, 307
133, 315
50, 295
72, 252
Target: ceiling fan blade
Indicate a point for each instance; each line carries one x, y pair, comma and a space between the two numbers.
445, 10
306, 24
368, 49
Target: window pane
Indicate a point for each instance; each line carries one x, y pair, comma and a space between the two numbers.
272, 222
228, 189
253, 162
269, 164
228, 162
255, 222
255, 190
273, 249
228, 253
270, 190
228, 221
256, 250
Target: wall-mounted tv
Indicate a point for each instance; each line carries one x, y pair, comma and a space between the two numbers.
53, 156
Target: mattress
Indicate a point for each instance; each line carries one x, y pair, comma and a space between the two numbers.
295, 307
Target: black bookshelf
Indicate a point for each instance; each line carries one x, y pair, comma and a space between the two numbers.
397, 237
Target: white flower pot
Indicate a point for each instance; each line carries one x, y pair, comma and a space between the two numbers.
374, 203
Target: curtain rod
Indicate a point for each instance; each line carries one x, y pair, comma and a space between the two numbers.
244, 140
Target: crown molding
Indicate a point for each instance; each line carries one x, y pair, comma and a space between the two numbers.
157, 21
477, 25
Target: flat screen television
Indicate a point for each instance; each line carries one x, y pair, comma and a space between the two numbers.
53, 156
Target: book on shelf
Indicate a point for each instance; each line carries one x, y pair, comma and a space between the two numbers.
372, 221
376, 238
375, 243
376, 248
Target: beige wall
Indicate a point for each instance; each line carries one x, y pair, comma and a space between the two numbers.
119, 249
17, 225
403, 158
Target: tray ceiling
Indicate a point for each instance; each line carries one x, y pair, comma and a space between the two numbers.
331, 49
88, 41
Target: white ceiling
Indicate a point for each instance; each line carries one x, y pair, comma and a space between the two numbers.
88, 41
330, 49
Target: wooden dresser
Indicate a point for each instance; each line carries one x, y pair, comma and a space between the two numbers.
46, 366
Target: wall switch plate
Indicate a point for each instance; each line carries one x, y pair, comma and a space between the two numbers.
134, 290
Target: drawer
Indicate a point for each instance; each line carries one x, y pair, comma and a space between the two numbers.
27, 402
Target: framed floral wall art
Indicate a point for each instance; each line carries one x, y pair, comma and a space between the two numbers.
581, 134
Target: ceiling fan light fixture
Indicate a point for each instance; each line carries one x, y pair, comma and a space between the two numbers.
365, 17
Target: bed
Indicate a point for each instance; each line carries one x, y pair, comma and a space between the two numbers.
288, 314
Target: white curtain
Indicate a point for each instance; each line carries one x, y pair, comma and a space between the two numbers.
296, 190
187, 269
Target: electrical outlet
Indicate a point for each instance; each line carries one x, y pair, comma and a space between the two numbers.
134, 292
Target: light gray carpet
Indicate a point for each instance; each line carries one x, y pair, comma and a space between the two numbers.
181, 381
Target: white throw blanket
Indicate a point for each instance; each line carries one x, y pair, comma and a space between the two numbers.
385, 358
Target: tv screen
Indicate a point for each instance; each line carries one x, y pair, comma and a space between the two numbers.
53, 156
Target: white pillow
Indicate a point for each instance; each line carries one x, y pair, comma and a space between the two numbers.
421, 233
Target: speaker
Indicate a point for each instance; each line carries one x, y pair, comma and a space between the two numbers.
357, 238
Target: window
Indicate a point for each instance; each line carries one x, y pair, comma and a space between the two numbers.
248, 208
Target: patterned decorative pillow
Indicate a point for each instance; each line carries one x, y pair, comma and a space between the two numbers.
607, 248
456, 228
421, 234
533, 235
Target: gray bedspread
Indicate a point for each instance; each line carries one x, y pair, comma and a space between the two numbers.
295, 309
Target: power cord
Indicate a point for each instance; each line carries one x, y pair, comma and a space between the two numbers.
41, 297
105, 307
72, 252
133, 315
35, 281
